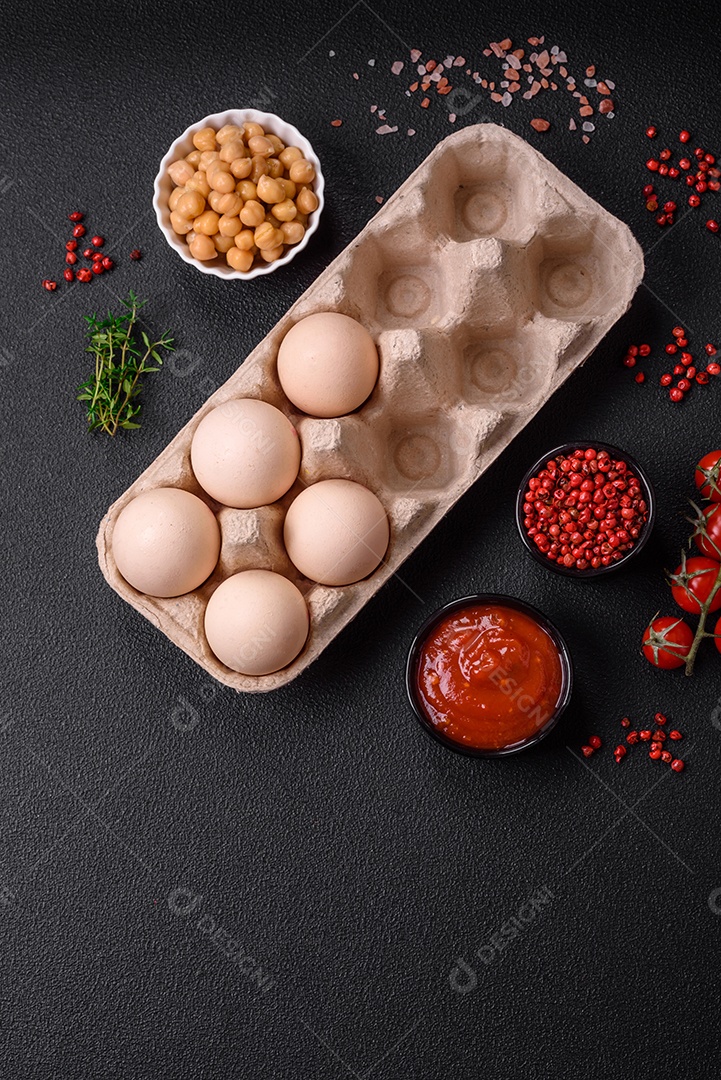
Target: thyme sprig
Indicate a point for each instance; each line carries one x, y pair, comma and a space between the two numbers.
111, 393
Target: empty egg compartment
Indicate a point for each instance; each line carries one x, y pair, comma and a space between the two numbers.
509, 368
578, 273
400, 279
485, 187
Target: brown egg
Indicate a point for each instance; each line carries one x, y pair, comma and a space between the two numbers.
166, 542
336, 532
327, 364
245, 453
256, 622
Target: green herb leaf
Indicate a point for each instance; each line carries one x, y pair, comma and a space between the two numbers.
119, 364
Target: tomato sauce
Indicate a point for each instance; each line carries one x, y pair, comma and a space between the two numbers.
489, 677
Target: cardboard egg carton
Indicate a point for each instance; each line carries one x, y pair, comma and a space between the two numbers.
485, 280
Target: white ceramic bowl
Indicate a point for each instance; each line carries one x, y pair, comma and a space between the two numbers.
183, 145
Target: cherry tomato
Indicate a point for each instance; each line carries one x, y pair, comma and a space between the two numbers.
717, 632
667, 642
693, 583
705, 544
708, 476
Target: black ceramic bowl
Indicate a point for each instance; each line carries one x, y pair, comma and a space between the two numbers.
503, 601
621, 455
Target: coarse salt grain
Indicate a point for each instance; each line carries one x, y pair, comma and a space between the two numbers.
397, 68
385, 129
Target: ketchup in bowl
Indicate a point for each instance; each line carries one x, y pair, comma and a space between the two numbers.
488, 675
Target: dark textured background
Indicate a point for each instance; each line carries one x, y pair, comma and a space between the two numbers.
155, 827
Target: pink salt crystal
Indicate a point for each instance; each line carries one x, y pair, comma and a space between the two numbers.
384, 129
374, 108
356, 75
397, 68
543, 59
415, 55
506, 99
451, 118
379, 199
411, 131
459, 61
572, 124
586, 138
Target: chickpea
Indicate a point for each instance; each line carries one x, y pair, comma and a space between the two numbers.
289, 155
193, 158
229, 133
260, 168
267, 237
278, 144
302, 172
230, 204
250, 130
199, 182
191, 204
260, 146
207, 223
175, 194
189, 237
247, 190
239, 260
284, 211
203, 248
271, 254
293, 232
275, 168
179, 224
302, 219
204, 139
223, 244
221, 181
306, 200
233, 150
207, 158
229, 226
214, 201
245, 240
241, 167
270, 191
290, 188
252, 214
180, 172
